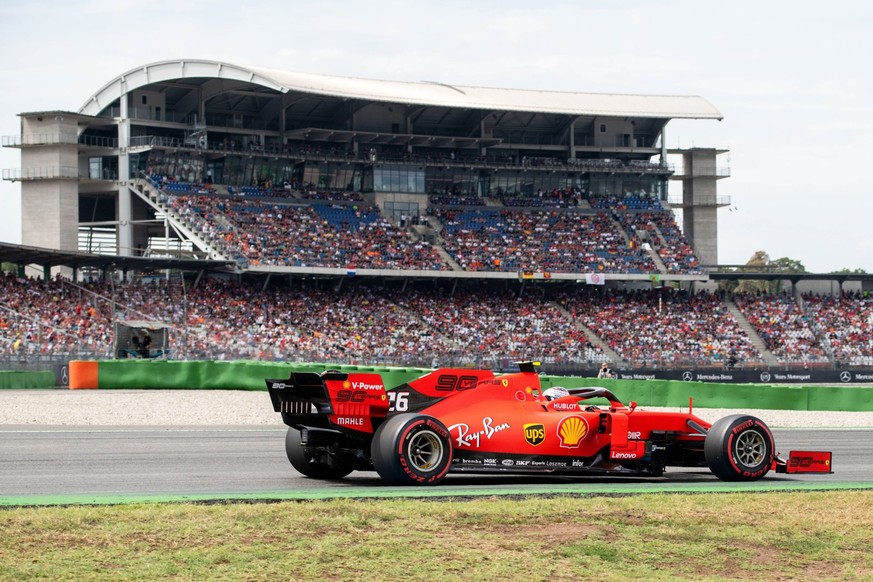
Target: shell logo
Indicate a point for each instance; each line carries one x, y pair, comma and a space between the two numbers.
571, 431
347, 384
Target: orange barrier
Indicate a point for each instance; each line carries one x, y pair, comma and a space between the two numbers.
83, 374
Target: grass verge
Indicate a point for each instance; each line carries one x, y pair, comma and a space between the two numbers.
820, 535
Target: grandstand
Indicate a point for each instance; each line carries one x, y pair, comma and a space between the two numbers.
417, 323
341, 219
104, 178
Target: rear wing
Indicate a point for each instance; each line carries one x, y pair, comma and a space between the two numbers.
330, 399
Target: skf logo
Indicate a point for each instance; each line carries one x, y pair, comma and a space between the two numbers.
571, 431
534, 434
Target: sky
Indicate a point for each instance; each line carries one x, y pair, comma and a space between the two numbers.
793, 81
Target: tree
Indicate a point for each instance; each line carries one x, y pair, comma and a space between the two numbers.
757, 263
760, 263
786, 265
845, 271
760, 259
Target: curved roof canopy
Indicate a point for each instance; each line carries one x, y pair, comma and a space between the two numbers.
424, 93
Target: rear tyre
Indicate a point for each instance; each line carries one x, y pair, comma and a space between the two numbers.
412, 449
315, 465
739, 448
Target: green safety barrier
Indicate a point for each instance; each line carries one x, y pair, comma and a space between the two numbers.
713, 395
15, 380
249, 375
222, 375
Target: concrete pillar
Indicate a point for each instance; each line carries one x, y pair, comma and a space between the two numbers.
699, 198
572, 140
664, 146
125, 202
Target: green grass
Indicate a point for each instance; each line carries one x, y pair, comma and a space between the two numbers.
820, 535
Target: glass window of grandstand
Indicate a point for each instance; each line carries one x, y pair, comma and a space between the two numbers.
536, 185
265, 172
398, 178
180, 167
334, 177
138, 165
95, 168
238, 171
455, 182
401, 212
620, 187
512, 185
103, 168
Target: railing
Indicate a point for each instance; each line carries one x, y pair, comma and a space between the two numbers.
31, 362
158, 141
723, 200
707, 172
98, 248
146, 113
14, 141
43, 139
45, 173
229, 122
31, 333
493, 162
193, 222
98, 141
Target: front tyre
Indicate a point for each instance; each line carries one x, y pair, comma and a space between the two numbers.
739, 448
311, 463
412, 449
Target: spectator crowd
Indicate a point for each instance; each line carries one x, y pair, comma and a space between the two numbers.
538, 240
665, 326
784, 327
562, 230
845, 325
556, 231
360, 321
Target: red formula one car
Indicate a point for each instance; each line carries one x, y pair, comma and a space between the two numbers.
463, 420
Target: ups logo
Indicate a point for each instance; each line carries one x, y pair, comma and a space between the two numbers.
534, 433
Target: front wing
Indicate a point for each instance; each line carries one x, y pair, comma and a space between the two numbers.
804, 462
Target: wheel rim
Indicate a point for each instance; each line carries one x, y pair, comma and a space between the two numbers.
750, 448
425, 451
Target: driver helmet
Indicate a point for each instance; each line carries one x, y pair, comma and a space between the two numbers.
555, 392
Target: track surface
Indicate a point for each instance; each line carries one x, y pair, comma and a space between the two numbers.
239, 462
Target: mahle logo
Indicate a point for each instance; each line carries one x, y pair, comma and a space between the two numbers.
534, 434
